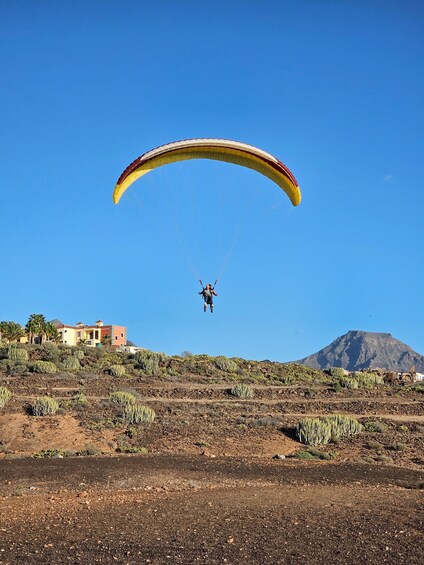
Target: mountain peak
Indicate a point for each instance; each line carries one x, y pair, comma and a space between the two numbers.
358, 349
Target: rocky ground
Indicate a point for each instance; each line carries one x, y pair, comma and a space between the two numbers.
183, 509
204, 486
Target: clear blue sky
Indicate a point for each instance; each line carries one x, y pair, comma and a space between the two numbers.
333, 88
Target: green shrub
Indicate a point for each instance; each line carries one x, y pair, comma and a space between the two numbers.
44, 406
368, 380
397, 446
138, 413
5, 396
376, 426
349, 382
50, 352
303, 455
71, 363
374, 445
117, 370
80, 399
89, 449
149, 361
5, 365
320, 431
79, 354
225, 364
314, 454
120, 397
337, 372
242, 390
17, 353
45, 367
48, 453
17, 369
132, 449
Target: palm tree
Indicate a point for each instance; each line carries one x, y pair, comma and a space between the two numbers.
51, 332
106, 340
11, 331
36, 327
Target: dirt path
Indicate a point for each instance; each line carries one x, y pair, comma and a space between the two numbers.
187, 510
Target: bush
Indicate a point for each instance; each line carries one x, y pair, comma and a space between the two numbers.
314, 454
368, 380
138, 413
79, 399
117, 370
242, 390
79, 354
149, 361
349, 382
17, 369
361, 380
120, 397
337, 372
225, 364
45, 367
49, 453
17, 353
5, 396
132, 449
320, 431
50, 352
71, 363
44, 406
375, 426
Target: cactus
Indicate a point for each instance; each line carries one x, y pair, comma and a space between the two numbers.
71, 363
17, 353
117, 370
149, 361
120, 397
225, 364
5, 396
138, 413
242, 390
320, 431
46, 367
44, 406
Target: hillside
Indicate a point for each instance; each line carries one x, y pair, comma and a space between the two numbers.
358, 350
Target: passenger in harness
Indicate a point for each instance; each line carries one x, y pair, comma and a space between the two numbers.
208, 292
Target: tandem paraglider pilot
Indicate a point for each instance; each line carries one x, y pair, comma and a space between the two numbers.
208, 292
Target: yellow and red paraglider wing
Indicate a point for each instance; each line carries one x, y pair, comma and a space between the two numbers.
216, 149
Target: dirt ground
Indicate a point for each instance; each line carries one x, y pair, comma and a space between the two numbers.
182, 509
207, 489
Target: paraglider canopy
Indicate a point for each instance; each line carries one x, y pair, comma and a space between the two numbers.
216, 149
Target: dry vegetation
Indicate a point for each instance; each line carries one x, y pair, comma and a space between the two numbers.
103, 401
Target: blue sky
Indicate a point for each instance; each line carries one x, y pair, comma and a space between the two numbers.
332, 88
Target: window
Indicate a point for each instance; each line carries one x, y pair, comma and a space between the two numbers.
122, 335
78, 334
116, 337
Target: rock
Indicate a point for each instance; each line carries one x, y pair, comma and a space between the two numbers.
279, 456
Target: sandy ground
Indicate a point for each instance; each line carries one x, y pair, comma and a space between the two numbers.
182, 509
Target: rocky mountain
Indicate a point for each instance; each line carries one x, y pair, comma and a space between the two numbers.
358, 350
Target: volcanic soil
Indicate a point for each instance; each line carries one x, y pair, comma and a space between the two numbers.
202, 484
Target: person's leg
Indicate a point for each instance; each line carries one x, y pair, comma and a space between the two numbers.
204, 307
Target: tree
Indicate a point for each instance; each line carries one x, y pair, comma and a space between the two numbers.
11, 331
106, 340
52, 333
36, 327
